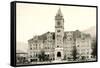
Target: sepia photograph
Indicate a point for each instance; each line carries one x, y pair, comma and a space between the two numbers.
50, 34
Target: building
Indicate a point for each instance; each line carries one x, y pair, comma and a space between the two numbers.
60, 45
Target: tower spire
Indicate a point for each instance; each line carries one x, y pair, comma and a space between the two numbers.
59, 12
59, 34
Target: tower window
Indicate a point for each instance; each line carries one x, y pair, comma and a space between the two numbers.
57, 45
58, 36
58, 30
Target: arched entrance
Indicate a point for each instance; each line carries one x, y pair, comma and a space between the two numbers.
58, 54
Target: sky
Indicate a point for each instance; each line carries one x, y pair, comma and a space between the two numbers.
36, 19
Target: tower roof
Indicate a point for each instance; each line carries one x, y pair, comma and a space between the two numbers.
59, 12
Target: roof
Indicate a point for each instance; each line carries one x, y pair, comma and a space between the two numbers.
59, 12
75, 34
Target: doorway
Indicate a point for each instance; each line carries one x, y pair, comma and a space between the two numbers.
58, 54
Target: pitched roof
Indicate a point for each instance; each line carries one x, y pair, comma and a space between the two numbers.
75, 34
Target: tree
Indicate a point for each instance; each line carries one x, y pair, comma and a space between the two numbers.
64, 57
41, 56
47, 58
94, 49
74, 53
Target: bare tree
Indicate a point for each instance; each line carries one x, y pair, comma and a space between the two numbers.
74, 53
94, 49
43, 57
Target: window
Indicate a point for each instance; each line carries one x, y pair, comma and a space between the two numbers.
45, 47
70, 38
77, 45
36, 55
57, 45
58, 30
91, 56
30, 48
48, 55
83, 38
30, 55
58, 36
36, 45
87, 52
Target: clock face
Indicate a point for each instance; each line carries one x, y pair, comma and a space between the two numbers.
58, 23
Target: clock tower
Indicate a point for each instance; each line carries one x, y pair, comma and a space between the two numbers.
59, 34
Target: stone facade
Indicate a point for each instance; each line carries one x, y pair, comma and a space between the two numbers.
59, 45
